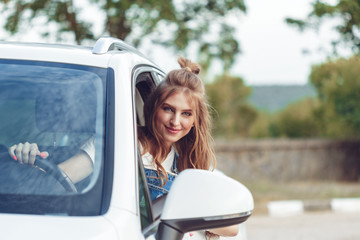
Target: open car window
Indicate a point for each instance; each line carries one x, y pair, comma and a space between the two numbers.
149, 211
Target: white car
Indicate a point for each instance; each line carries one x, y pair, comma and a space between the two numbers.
59, 96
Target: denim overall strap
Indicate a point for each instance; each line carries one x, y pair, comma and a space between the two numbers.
155, 183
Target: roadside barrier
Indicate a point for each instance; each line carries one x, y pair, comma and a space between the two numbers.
296, 207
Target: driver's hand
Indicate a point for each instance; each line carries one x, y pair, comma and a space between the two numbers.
26, 153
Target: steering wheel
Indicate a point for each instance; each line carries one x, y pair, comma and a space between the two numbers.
53, 170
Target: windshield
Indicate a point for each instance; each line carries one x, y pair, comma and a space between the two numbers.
60, 108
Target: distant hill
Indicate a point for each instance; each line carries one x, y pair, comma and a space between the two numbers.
277, 97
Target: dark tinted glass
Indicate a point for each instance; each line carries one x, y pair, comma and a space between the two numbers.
59, 107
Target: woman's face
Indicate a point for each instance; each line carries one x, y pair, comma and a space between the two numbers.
175, 118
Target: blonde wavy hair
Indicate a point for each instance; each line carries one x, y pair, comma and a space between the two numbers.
195, 149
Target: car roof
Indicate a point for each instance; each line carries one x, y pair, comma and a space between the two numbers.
99, 55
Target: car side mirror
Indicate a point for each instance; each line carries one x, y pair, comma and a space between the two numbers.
201, 199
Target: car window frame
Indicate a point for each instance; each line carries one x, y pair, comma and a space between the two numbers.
154, 74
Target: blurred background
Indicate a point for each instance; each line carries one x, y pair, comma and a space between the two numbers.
283, 78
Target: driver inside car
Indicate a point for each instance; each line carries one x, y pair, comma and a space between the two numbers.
77, 167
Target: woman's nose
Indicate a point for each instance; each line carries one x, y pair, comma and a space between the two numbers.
175, 120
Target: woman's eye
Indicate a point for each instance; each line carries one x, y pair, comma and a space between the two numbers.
167, 109
188, 114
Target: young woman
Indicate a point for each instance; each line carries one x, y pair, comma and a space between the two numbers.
176, 135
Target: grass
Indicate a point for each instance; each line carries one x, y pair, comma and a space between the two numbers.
263, 192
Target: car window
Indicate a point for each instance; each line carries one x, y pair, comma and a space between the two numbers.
61, 107
144, 85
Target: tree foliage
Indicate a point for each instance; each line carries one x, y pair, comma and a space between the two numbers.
334, 113
337, 81
233, 115
348, 11
260, 127
63, 13
172, 23
338, 86
297, 120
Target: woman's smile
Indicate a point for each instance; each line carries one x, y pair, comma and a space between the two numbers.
172, 130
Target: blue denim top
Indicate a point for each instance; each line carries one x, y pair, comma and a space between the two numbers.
154, 182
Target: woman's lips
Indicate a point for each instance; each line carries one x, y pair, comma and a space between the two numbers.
172, 130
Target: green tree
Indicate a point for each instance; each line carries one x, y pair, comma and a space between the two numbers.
173, 23
297, 120
334, 113
260, 128
346, 10
233, 115
338, 86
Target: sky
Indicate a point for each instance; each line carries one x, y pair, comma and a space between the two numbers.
272, 51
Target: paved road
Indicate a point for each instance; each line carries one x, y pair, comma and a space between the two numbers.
309, 226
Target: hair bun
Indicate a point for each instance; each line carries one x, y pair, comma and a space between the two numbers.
187, 65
